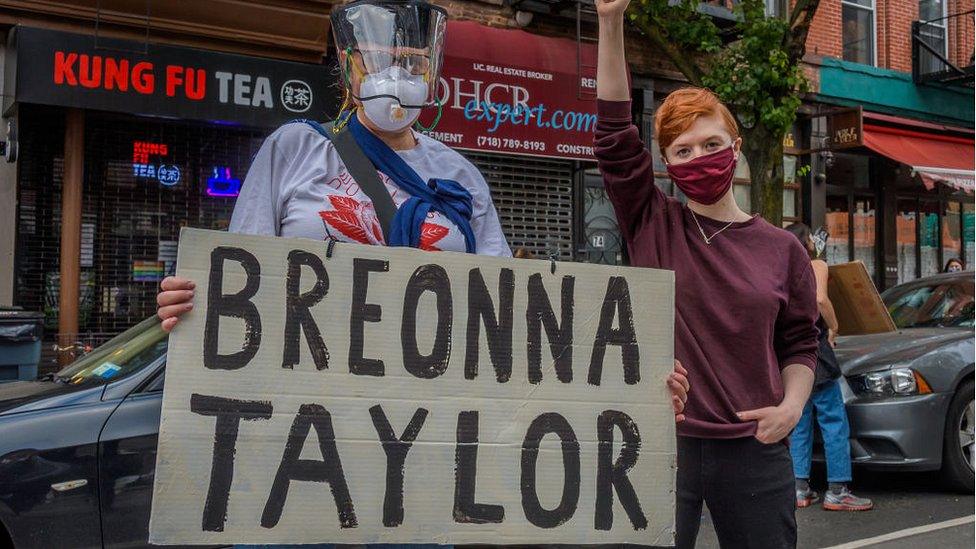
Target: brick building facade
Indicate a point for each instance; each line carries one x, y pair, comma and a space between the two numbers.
892, 30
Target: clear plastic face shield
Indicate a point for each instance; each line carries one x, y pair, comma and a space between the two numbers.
390, 54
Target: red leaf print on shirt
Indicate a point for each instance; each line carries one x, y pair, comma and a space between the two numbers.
431, 233
353, 219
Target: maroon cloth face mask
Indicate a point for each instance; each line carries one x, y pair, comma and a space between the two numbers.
707, 178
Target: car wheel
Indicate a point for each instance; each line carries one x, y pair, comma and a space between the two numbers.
957, 454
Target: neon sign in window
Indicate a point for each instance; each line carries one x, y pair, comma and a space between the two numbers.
144, 151
222, 183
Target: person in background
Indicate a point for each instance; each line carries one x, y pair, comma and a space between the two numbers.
745, 303
522, 253
828, 402
954, 265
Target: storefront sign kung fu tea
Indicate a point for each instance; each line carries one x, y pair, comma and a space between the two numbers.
382, 394
57, 68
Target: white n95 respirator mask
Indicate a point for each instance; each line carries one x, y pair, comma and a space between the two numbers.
392, 98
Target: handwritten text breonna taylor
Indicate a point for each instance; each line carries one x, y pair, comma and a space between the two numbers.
390, 395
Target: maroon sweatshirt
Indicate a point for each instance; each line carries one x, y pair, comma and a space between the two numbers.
745, 305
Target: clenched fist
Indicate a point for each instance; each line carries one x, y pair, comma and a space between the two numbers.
611, 8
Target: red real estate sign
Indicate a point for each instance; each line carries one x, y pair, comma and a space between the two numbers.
514, 92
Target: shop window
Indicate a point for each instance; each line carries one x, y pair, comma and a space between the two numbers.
858, 31
603, 241
789, 203
777, 8
144, 180
865, 224
849, 170
929, 238
967, 235
951, 232
837, 222
906, 230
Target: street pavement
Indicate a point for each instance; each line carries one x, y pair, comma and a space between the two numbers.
902, 501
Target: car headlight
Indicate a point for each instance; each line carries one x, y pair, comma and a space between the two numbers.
896, 381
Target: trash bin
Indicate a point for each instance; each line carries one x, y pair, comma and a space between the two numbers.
20, 343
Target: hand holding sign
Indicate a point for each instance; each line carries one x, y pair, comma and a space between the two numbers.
174, 300
679, 387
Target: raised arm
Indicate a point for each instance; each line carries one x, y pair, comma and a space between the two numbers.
624, 161
612, 83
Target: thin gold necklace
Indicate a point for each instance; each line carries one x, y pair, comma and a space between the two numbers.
706, 238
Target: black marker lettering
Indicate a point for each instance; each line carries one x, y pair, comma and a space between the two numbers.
229, 414
498, 329
612, 475
427, 278
534, 512
292, 467
396, 454
560, 334
466, 473
361, 313
616, 303
297, 314
237, 305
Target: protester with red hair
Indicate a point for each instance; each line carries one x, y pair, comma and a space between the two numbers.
745, 303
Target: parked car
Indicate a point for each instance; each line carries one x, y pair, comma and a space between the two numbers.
78, 449
910, 397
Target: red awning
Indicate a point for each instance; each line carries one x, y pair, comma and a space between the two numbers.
936, 158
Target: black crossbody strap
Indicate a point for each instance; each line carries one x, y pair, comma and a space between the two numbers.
362, 171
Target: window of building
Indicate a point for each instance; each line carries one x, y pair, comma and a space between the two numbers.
791, 190
603, 241
906, 237
858, 31
776, 8
929, 244
968, 238
951, 232
933, 32
852, 216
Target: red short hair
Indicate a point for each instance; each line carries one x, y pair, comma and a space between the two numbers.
680, 110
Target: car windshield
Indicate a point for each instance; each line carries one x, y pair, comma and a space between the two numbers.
946, 302
122, 355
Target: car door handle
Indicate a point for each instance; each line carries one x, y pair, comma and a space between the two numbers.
69, 485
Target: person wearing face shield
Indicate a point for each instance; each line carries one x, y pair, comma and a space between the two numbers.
745, 303
299, 184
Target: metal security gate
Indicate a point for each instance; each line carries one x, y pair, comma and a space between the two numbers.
144, 180
534, 199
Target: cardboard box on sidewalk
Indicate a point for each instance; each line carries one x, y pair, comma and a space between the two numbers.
856, 301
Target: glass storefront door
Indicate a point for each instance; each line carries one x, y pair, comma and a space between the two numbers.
852, 220
603, 243
906, 238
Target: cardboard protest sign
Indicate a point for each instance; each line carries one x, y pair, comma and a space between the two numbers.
392, 395
856, 301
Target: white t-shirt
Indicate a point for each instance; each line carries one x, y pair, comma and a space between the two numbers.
297, 186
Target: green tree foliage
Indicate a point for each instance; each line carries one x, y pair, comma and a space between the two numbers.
752, 64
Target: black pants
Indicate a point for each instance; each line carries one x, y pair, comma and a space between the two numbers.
748, 487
